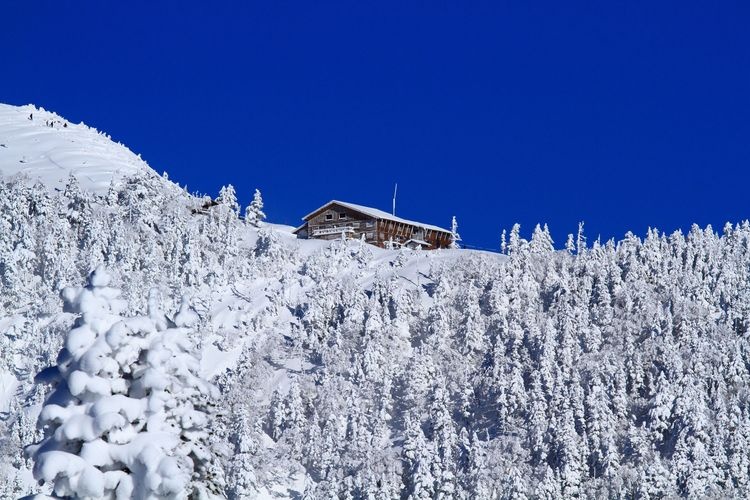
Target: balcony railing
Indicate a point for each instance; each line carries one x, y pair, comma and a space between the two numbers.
323, 231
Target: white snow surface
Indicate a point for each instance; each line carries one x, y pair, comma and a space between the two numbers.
49, 148
242, 314
344, 368
8, 384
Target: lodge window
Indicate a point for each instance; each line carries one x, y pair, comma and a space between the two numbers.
370, 223
329, 216
342, 215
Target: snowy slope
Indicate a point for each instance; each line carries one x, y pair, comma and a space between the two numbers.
251, 303
350, 371
44, 145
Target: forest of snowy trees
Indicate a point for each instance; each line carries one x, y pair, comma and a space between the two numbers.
339, 370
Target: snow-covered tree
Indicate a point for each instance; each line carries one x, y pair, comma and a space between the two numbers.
455, 237
129, 415
228, 198
419, 456
254, 214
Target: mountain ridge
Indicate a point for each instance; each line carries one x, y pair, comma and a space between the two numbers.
43, 145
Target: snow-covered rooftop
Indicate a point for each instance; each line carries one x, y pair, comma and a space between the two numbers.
377, 214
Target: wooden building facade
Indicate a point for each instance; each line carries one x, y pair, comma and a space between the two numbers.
337, 218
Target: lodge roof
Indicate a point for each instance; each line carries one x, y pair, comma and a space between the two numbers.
375, 214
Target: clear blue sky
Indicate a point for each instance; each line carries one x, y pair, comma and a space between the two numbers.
621, 114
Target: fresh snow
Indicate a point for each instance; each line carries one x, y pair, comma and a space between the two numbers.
49, 148
8, 385
215, 361
343, 370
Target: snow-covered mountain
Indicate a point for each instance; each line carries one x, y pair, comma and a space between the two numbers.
42, 145
240, 361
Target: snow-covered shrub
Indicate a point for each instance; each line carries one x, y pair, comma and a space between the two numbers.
129, 414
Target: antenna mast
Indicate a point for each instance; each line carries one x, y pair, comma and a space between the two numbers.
395, 189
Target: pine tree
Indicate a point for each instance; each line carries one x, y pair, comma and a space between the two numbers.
541, 242
254, 214
309, 489
419, 457
455, 237
472, 325
228, 198
129, 415
445, 441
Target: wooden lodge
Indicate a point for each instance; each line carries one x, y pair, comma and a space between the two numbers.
337, 218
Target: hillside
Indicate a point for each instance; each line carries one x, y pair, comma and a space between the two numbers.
42, 145
342, 370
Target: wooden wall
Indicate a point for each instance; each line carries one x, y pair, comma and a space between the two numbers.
401, 233
321, 227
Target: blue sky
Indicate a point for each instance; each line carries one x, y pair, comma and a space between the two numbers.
622, 114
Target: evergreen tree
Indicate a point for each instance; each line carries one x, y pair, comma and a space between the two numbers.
455, 237
129, 415
254, 214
